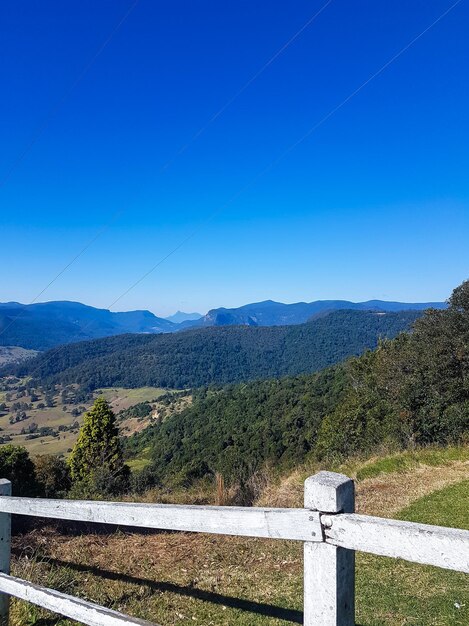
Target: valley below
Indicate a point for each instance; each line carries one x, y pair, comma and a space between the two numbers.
49, 423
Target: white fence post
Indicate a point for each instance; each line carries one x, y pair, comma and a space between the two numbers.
329, 572
5, 551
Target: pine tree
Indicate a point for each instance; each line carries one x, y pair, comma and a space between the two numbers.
96, 462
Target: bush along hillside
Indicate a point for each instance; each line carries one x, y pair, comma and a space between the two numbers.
411, 391
220, 355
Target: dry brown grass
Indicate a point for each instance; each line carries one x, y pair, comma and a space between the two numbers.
386, 495
172, 577
286, 493
383, 495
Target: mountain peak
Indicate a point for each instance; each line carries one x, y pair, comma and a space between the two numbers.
181, 316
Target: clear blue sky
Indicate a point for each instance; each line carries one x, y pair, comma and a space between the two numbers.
374, 204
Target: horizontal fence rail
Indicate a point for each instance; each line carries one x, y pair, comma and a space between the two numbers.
297, 524
69, 606
420, 543
327, 525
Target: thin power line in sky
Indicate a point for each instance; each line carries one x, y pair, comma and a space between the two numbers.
59, 274
168, 163
247, 84
290, 148
287, 151
59, 104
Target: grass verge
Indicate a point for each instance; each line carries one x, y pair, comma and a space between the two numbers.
406, 461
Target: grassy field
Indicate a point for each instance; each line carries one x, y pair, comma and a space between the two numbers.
55, 416
48, 445
176, 578
121, 398
14, 354
138, 464
416, 594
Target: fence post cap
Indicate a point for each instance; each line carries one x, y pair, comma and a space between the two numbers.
330, 492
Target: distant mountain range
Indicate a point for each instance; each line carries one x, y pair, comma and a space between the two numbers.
270, 313
45, 325
180, 317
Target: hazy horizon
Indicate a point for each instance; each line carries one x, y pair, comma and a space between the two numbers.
190, 310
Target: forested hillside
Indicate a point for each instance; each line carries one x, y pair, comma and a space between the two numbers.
215, 355
410, 391
237, 429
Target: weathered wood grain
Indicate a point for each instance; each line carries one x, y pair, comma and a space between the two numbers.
421, 543
329, 572
297, 524
75, 608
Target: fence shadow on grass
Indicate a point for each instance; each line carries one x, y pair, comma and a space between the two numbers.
261, 608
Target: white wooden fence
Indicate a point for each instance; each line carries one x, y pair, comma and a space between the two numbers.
327, 525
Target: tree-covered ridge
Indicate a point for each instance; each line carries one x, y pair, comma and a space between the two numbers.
43, 325
220, 355
237, 429
410, 391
